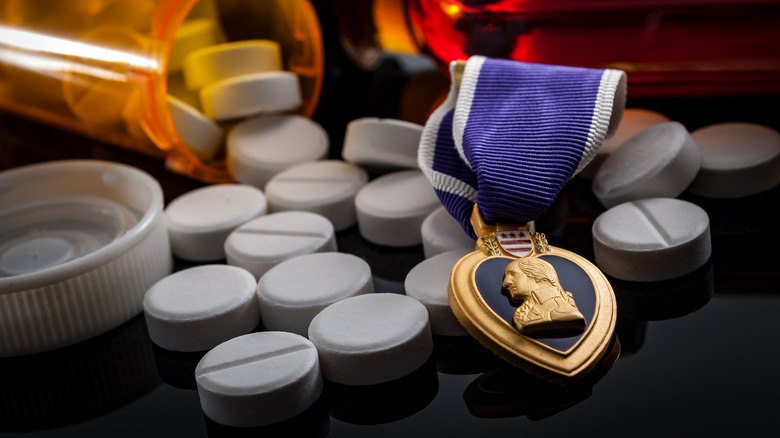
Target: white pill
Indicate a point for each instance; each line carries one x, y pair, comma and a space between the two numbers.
428, 282
250, 95
258, 379
326, 187
294, 291
382, 144
738, 159
198, 308
392, 208
372, 338
224, 61
201, 135
441, 233
261, 147
651, 239
660, 161
266, 241
633, 121
199, 221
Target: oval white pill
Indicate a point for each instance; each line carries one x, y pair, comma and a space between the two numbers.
250, 95
660, 161
651, 239
392, 208
201, 135
428, 282
261, 147
634, 120
294, 291
441, 233
198, 308
326, 187
738, 159
258, 379
199, 221
382, 144
266, 241
372, 338
223, 61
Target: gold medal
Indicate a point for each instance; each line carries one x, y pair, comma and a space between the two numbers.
546, 310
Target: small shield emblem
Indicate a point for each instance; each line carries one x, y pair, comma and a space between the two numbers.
516, 242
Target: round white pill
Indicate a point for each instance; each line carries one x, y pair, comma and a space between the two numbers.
199, 221
392, 208
261, 147
294, 291
249, 95
651, 239
198, 308
266, 241
738, 159
382, 144
660, 161
258, 379
218, 62
441, 233
372, 338
326, 187
633, 121
428, 282
201, 135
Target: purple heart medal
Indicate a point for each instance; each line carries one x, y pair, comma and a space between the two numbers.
506, 140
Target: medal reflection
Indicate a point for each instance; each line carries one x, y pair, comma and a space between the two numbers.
544, 306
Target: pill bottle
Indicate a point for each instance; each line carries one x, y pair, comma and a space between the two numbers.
667, 47
103, 68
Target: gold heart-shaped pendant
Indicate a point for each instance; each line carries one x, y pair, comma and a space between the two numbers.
546, 310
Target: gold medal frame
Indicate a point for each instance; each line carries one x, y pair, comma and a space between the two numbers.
529, 354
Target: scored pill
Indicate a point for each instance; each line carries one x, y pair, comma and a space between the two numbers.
660, 161
326, 187
651, 239
258, 379
634, 120
266, 241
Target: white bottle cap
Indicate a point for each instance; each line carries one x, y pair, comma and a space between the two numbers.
80, 243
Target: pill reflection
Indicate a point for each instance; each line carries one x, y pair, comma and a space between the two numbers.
79, 382
384, 402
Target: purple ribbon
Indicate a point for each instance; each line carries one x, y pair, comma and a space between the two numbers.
511, 134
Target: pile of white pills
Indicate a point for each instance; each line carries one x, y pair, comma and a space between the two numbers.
647, 234
317, 309
235, 100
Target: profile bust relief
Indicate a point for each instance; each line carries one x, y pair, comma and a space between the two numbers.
544, 306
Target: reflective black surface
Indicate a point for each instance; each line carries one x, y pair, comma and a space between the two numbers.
697, 355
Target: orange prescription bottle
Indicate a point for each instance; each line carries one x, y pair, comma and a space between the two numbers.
103, 68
